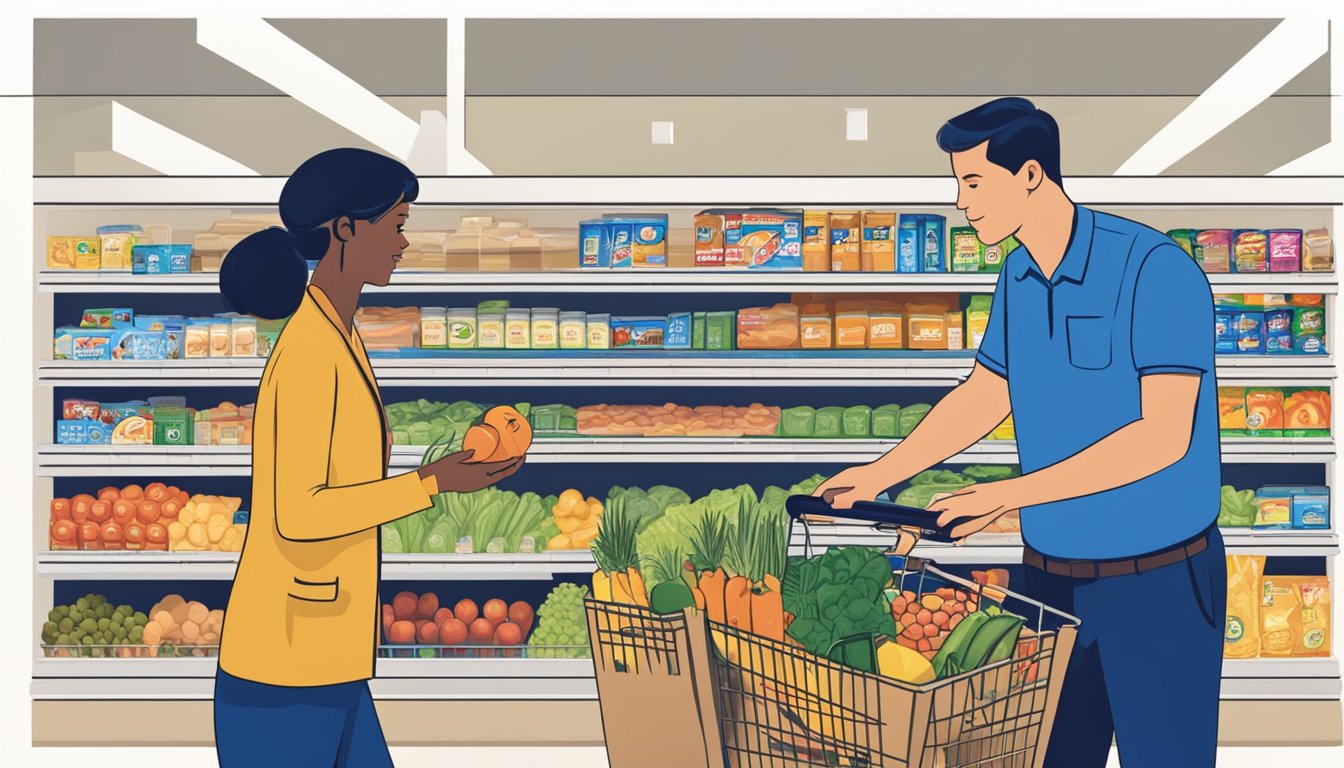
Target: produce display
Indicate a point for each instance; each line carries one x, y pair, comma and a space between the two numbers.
179, 627
1270, 324
157, 517
1273, 412
208, 524
1276, 507
487, 521
157, 421
562, 625
577, 519
1271, 616
92, 627
671, 420
431, 628
121, 334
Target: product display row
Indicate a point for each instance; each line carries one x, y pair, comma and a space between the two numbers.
121, 334
156, 421
1273, 412
748, 239
1275, 616
91, 627
1275, 324
158, 517
1276, 507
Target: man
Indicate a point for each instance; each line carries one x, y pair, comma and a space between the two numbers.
1100, 343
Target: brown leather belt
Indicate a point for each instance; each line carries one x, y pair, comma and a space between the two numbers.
1092, 569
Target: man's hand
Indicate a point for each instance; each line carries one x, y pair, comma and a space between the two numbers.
975, 507
862, 483
456, 473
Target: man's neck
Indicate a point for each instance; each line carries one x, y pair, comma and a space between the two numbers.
1048, 227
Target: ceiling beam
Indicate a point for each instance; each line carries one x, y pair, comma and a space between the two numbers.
159, 147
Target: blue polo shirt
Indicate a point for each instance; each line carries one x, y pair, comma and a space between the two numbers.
1124, 303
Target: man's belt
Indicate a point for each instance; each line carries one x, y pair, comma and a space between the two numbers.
1092, 569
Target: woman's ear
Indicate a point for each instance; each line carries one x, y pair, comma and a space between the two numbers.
343, 227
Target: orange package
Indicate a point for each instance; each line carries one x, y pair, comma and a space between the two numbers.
1295, 616
1306, 413
774, 327
1264, 413
1232, 410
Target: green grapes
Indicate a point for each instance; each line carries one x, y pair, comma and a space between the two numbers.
562, 621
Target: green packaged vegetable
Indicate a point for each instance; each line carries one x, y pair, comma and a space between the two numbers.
858, 421
910, 417
828, 422
886, 421
698, 321
798, 422
938, 477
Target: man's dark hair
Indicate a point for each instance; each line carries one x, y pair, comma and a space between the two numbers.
1016, 131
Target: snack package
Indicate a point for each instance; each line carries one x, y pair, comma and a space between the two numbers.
1279, 331
1285, 250
1308, 330
1295, 616
1232, 411
846, 241
1264, 413
1213, 250
966, 250
1318, 253
816, 241
774, 327
1241, 638
1306, 412
1250, 250
709, 240
878, 250
1250, 328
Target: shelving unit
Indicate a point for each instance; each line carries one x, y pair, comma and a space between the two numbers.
482, 696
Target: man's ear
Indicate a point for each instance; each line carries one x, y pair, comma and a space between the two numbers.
1032, 174
343, 227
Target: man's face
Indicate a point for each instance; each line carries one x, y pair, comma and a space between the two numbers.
993, 198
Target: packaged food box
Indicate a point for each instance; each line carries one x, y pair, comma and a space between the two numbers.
518, 329
857, 421
433, 328
1225, 330
1185, 238
829, 422
1232, 411
116, 242
105, 318
196, 338
80, 410
721, 331
966, 250
818, 328
546, 328
678, 331
817, 241
594, 244
909, 418
134, 430
977, 320
698, 322
91, 344
243, 337
1250, 251
932, 227
851, 329
1244, 582
886, 421
461, 328
1279, 331
886, 329
489, 329
1309, 330
638, 332
772, 240
1250, 325
774, 327
173, 328
956, 331
1274, 509
73, 253
1285, 250
1213, 250
908, 243
1264, 412
799, 421
1311, 508
174, 426
846, 241
734, 255
878, 249
638, 241
926, 327
573, 330
159, 259
1306, 412
1295, 616
1318, 254
709, 240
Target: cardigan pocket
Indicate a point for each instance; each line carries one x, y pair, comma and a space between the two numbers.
315, 591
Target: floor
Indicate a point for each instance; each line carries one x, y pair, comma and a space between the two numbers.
509, 757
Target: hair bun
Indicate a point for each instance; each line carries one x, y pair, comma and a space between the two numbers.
265, 275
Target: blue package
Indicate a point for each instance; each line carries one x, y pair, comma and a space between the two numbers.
172, 326
1225, 330
1279, 331
241, 517
131, 343
594, 244
638, 240
1250, 329
638, 332
72, 432
1311, 511
772, 240
678, 331
622, 244
1309, 344
934, 254
88, 344
160, 259
907, 244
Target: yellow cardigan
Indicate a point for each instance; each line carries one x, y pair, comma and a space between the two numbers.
305, 608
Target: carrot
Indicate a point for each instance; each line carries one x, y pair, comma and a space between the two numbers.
712, 585
602, 586
767, 609
638, 594
699, 598
737, 602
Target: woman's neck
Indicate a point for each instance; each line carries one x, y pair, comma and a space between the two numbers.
342, 292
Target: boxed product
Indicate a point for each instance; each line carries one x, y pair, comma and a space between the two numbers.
1311, 508
956, 331
1306, 412
909, 418
160, 259
816, 241
1318, 253
105, 318
243, 336
116, 242
734, 255
926, 326
878, 251
846, 241
1264, 412
1285, 250
573, 330
886, 328
594, 244
932, 227
460, 328
720, 331
1184, 238
1242, 634
977, 320
1232, 411
966, 250
886, 421
1250, 251
196, 338
74, 253
1225, 329
1274, 508
599, 331
171, 326
698, 322
907, 244
1279, 331
1308, 330
1295, 616
818, 328
829, 422
1213, 250
638, 332
546, 328
135, 430
678, 331
774, 327
852, 325
81, 410
771, 240
174, 426
709, 240
1250, 328
857, 421
638, 240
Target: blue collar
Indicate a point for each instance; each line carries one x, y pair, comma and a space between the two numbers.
1074, 266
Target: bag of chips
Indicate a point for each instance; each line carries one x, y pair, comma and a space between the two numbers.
1242, 637
1295, 616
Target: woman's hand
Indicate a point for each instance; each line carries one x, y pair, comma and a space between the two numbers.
455, 473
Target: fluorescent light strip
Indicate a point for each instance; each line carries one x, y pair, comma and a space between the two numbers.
165, 150
1288, 49
264, 51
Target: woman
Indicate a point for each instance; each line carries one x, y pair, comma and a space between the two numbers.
303, 620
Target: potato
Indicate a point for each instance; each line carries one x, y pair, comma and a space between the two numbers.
180, 613
187, 516
190, 632
217, 616
153, 633
197, 536
165, 620
176, 531
203, 512
197, 613
214, 530
170, 602
212, 638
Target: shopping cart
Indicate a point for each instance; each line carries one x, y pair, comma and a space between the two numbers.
779, 705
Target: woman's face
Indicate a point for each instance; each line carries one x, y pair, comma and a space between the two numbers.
373, 248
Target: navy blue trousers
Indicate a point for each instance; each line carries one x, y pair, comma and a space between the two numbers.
1147, 666
327, 725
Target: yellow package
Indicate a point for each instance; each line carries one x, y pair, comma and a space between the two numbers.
1241, 638
1313, 639
73, 253
1004, 431
1295, 616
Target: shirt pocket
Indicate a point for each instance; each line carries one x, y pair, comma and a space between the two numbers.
1089, 342
315, 591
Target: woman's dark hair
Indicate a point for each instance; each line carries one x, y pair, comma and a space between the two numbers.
266, 274
1016, 131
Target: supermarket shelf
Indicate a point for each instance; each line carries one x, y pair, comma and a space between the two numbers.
880, 191
640, 368
988, 549
175, 461
514, 679
655, 281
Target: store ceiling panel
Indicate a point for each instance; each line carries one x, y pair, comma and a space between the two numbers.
1103, 57
160, 57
